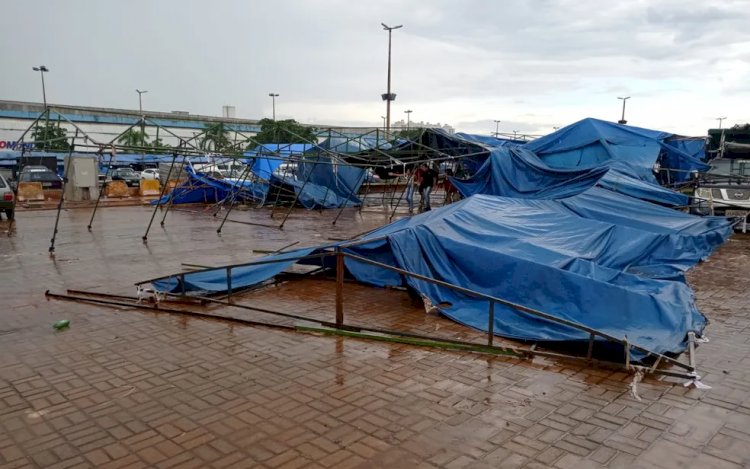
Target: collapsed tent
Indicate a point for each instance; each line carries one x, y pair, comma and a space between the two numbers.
514, 171
576, 261
591, 142
202, 188
322, 182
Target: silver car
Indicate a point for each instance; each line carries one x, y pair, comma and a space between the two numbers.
7, 198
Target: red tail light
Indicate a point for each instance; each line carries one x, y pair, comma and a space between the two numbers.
8, 196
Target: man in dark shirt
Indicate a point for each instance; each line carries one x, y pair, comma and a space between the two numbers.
428, 176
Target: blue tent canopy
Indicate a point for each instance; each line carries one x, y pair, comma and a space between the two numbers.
591, 142
323, 181
514, 171
572, 258
201, 188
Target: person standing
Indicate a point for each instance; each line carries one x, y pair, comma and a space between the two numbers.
427, 180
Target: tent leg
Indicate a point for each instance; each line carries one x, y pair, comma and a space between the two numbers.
231, 202
590, 351
296, 198
339, 289
62, 195
349, 197
163, 191
101, 189
491, 324
691, 349
367, 192
171, 195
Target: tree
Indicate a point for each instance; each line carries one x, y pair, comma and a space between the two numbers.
50, 137
157, 146
216, 138
283, 131
134, 138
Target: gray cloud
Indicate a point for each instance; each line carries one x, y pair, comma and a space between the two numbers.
453, 61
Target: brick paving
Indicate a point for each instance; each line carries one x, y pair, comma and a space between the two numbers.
123, 388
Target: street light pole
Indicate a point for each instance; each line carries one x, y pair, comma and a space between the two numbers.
42, 69
720, 119
388, 96
622, 119
140, 101
497, 128
383, 117
408, 119
273, 98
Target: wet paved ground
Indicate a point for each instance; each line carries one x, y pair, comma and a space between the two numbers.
123, 388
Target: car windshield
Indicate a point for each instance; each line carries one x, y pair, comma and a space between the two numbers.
2, 183
126, 171
38, 176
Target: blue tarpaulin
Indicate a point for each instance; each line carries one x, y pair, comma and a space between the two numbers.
201, 188
514, 171
323, 181
572, 258
591, 142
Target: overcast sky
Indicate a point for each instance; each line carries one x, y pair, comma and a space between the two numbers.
533, 64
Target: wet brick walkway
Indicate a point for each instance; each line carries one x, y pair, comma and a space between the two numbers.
123, 388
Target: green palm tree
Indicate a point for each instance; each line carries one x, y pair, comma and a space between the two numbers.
134, 138
216, 138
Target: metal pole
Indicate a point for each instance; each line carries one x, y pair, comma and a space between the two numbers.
158, 202
491, 324
273, 99
171, 194
497, 129
101, 189
351, 192
388, 102
389, 96
44, 91
622, 119
339, 288
62, 195
234, 196
229, 284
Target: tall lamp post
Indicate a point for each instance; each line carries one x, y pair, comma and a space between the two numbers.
622, 119
383, 117
720, 119
140, 113
388, 96
408, 119
140, 100
497, 128
273, 98
42, 70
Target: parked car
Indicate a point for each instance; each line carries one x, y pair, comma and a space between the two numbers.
128, 175
48, 178
7, 198
150, 173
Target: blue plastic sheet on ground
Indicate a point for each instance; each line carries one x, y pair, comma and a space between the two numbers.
572, 258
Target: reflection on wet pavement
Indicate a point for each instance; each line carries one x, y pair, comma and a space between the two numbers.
125, 388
